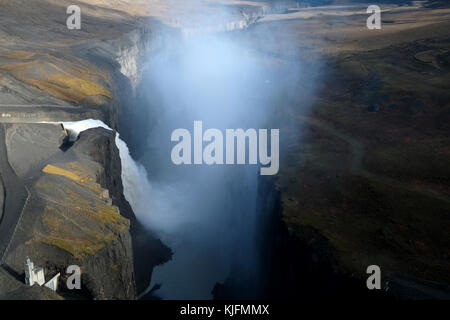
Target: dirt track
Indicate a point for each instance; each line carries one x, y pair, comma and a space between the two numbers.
15, 200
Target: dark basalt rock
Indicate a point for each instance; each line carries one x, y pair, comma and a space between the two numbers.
67, 220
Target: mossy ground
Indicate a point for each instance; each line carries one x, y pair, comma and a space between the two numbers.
76, 218
60, 76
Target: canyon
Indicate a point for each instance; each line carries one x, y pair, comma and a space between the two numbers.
363, 175
235, 143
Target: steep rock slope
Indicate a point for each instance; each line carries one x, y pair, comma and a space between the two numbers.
69, 218
365, 176
74, 211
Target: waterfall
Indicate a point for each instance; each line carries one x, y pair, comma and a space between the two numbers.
136, 186
206, 214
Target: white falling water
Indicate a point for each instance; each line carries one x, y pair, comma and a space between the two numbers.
136, 187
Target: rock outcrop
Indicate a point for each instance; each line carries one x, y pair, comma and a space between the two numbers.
64, 200
68, 220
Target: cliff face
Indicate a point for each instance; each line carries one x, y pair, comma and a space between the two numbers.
131, 54
64, 203
70, 218
59, 74
364, 183
361, 181
148, 251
